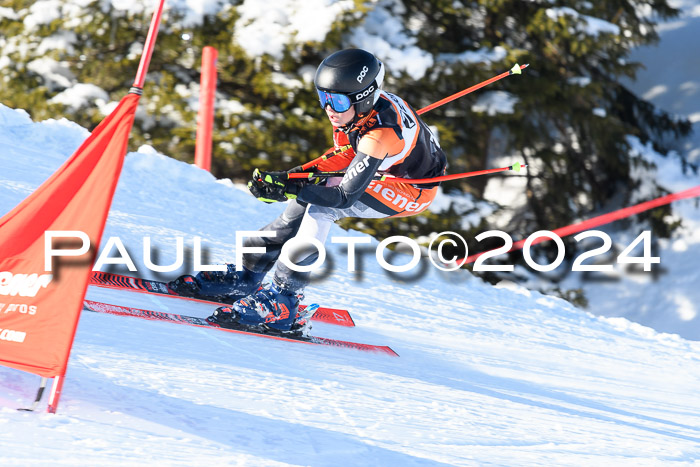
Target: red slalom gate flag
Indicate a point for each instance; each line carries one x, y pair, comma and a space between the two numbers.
39, 309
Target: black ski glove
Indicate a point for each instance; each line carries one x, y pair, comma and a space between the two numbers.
272, 187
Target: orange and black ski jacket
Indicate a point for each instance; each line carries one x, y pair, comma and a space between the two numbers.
412, 150
392, 128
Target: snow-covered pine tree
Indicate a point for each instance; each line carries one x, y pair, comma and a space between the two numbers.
568, 116
73, 58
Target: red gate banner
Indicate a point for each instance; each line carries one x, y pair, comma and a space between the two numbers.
39, 309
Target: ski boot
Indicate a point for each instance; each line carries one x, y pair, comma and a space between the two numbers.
269, 310
221, 286
186, 285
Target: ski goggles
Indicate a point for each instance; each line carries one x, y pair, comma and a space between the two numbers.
338, 102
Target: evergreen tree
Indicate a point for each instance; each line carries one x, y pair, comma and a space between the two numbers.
267, 115
572, 117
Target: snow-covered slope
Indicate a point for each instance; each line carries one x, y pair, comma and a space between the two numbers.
486, 375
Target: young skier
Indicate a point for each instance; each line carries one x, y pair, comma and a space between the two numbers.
373, 131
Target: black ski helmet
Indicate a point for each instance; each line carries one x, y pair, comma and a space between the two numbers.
355, 73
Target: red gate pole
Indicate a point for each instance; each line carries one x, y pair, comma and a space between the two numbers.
205, 116
57, 386
150, 45
55, 395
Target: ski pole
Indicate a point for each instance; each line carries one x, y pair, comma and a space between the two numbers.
516, 70
388, 178
515, 168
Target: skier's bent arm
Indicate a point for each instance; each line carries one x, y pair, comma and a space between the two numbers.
371, 151
355, 181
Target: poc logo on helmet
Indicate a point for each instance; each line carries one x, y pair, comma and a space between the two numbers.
362, 74
364, 94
